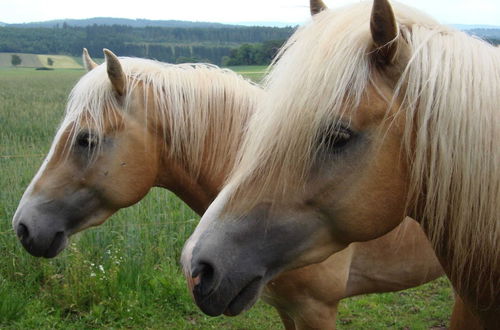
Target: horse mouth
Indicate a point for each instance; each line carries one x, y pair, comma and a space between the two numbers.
56, 246
245, 298
232, 303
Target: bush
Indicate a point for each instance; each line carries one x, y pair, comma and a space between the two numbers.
16, 60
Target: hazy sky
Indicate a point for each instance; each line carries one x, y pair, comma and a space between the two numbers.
293, 11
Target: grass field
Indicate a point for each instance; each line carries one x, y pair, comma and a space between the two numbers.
125, 274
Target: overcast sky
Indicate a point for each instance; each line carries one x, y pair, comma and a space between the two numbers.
227, 11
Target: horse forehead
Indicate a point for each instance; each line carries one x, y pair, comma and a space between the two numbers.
103, 120
376, 104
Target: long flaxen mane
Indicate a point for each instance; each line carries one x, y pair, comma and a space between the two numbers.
450, 91
197, 105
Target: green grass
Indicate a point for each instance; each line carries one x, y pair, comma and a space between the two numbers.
125, 273
254, 72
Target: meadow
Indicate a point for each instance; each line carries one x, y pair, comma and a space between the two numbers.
125, 273
39, 61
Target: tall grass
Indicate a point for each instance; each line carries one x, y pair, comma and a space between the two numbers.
125, 273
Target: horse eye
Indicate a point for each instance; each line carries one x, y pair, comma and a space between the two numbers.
86, 140
336, 139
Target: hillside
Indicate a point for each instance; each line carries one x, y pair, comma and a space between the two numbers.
466, 27
119, 21
39, 61
169, 44
486, 33
139, 22
169, 41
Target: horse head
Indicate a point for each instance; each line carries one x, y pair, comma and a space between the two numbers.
102, 159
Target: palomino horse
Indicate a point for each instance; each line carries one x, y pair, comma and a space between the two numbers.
134, 124
370, 116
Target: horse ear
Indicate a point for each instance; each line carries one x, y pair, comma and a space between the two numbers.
384, 30
115, 72
317, 6
87, 61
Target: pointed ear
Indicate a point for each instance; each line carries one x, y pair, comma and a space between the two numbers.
87, 61
384, 30
317, 6
115, 72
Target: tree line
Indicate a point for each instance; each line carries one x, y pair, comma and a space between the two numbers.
231, 45
254, 54
162, 43
493, 41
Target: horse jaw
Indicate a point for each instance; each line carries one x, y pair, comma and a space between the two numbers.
223, 245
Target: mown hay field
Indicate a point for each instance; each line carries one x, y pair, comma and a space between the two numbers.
40, 61
125, 273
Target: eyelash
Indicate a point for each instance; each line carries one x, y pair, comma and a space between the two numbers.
335, 139
87, 140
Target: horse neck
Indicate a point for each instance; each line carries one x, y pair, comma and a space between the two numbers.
197, 191
217, 151
452, 133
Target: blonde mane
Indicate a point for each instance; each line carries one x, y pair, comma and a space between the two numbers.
196, 105
450, 91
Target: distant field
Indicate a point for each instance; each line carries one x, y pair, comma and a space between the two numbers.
125, 273
59, 62
38, 61
254, 72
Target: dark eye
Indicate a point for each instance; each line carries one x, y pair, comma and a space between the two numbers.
87, 140
336, 138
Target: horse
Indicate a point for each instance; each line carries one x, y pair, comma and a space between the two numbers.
308, 297
132, 124
373, 112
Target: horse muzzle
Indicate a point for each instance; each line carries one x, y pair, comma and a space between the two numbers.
47, 246
217, 290
40, 236
43, 224
230, 258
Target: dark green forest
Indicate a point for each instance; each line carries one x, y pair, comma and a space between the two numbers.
253, 54
194, 44
175, 43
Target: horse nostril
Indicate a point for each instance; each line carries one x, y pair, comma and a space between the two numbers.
22, 231
205, 279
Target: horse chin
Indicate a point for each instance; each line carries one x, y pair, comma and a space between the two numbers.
228, 302
57, 246
245, 299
